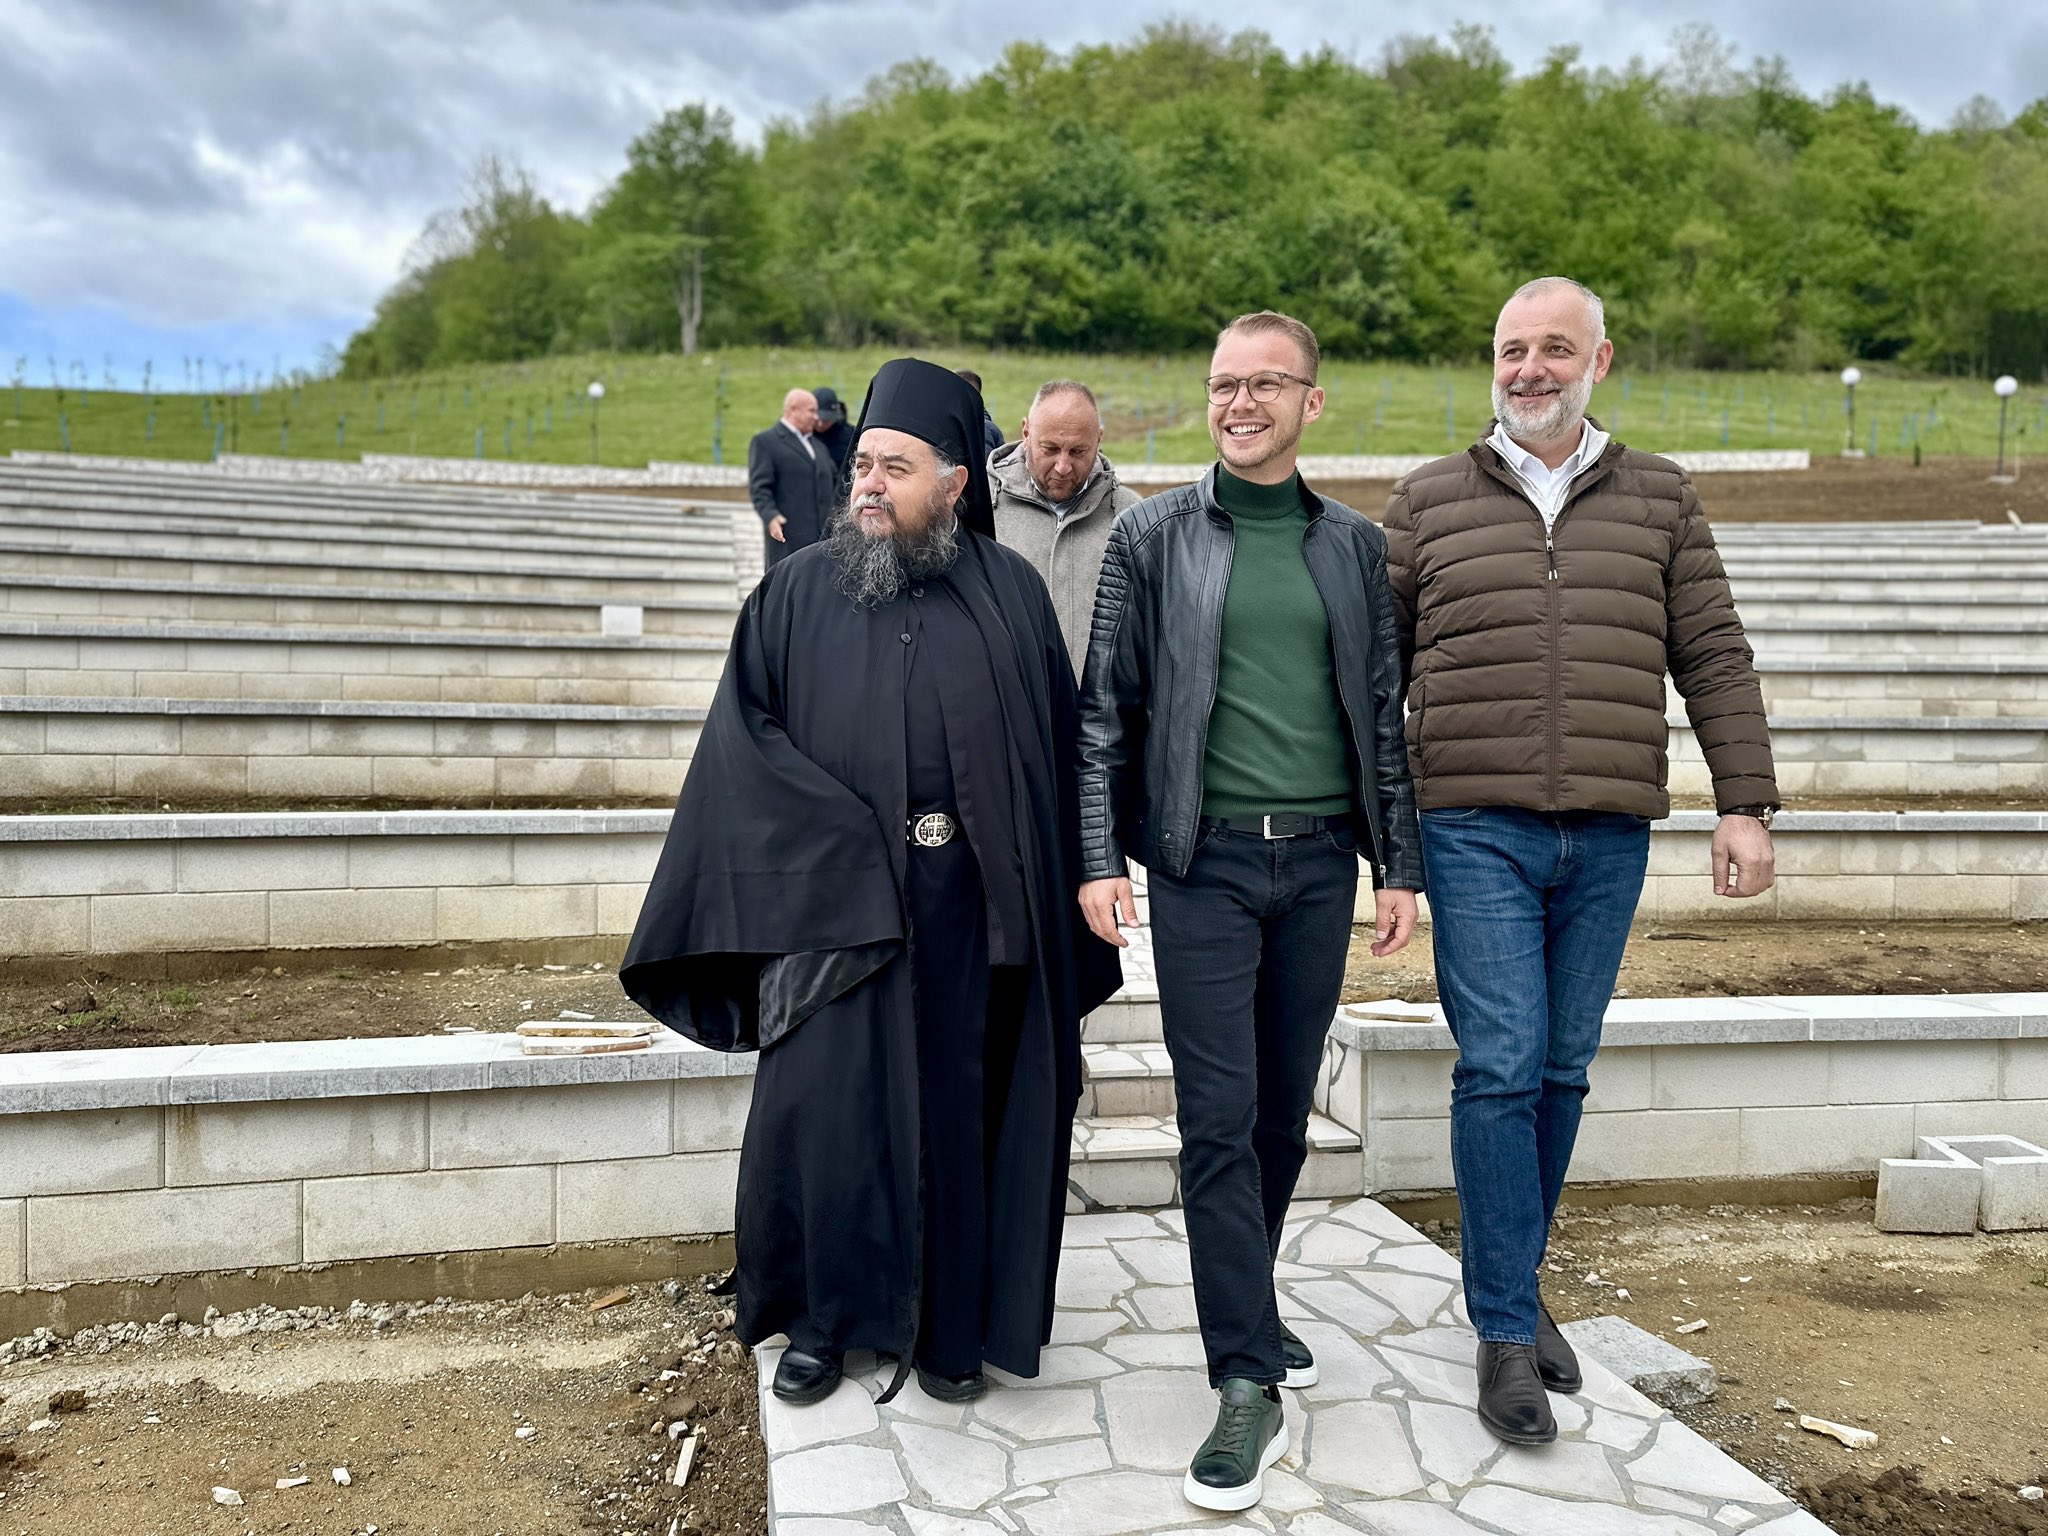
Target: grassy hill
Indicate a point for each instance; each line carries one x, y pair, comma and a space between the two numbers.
705, 408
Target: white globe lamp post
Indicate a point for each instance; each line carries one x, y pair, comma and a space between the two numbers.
1851, 377
2005, 387
596, 393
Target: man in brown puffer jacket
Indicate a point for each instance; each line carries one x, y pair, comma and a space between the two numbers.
1544, 581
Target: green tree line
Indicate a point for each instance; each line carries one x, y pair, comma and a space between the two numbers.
1129, 197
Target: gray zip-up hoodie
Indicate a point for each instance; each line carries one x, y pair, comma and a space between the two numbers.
1067, 551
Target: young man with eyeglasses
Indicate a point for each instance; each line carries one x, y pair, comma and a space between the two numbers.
1241, 739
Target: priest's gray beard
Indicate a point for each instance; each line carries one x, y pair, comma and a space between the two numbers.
873, 569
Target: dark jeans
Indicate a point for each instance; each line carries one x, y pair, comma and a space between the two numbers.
1250, 949
1530, 913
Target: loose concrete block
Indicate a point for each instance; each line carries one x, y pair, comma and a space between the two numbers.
385, 862
1912, 1071
81, 1152
140, 924
1657, 1144
683, 1196
710, 1113
295, 1139
13, 1227
1740, 1076
162, 1232
260, 864
1938, 1191
2015, 1196
515, 912
350, 919
441, 1212
1832, 1139
1660, 1370
79, 869
1408, 1085
582, 1123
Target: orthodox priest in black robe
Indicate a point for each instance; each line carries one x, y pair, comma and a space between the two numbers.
871, 879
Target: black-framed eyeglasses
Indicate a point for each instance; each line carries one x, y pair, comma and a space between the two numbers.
1263, 387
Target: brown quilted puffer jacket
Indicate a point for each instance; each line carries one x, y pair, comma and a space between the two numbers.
1537, 664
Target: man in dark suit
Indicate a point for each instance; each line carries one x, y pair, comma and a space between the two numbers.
791, 478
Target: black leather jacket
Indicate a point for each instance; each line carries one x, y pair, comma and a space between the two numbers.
1150, 681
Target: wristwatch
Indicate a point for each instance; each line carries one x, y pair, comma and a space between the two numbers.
1763, 813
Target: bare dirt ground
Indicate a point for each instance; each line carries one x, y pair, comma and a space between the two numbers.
451, 1418
89, 1010
1939, 1344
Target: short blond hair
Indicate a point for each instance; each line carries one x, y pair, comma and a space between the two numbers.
1270, 322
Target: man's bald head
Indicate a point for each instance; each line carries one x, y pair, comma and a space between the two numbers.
1062, 437
800, 410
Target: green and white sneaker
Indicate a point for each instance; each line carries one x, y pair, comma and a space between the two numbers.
1301, 1365
1228, 1472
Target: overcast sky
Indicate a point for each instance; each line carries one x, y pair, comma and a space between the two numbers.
240, 179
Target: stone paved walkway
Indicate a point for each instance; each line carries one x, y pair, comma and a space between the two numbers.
1386, 1442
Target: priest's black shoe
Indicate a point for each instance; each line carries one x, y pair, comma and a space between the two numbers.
952, 1389
1555, 1362
1511, 1399
804, 1378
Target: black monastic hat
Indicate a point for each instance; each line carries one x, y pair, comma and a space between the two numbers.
939, 407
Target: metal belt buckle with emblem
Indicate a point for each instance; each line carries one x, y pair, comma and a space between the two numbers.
934, 829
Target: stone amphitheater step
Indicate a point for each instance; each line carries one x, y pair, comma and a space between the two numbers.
366, 602
1894, 612
1919, 587
238, 749
363, 566
352, 546
1810, 686
1810, 629
1134, 1160
1888, 756
52, 658
680, 530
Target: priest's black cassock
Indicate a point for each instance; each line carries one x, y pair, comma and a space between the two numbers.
903, 1175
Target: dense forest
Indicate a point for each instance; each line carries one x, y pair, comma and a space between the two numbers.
1130, 197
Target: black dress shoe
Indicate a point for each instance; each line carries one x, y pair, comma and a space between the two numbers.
1511, 1399
1555, 1362
1296, 1359
803, 1378
952, 1389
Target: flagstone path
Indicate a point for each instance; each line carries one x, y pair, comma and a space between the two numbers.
1385, 1443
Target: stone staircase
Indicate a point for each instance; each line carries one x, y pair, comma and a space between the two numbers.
1126, 1147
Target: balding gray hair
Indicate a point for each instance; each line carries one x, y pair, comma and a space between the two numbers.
1053, 388
1594, 306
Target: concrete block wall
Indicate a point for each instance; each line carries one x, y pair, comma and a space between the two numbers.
1963, 688
170, 661
1727, 1089
1863, 755
145, 600
137, 885
217, 749
235, 1156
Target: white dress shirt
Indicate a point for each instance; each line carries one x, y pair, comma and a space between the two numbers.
801, 436
1548, 487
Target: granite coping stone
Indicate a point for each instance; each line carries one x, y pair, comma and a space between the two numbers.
351, 709
258, 634
32, 1082
257, 824
1753, 1021
412, 595
512, 823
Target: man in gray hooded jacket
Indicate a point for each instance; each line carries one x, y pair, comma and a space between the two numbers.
1055, 497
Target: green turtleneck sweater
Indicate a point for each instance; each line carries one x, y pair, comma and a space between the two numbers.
1276, 734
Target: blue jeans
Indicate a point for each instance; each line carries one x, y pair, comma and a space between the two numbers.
1530, 913
1250, 945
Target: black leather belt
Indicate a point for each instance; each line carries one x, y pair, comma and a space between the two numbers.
933, 829
1284, 824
